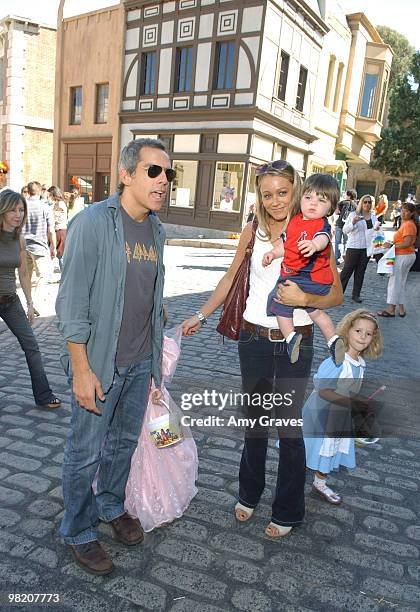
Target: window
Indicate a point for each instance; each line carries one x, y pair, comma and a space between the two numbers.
84, 185
383, 97
408, 189
228, 186
392, 189
75, 105
300, 96
148, 74
338, 86
331, 67
184, 69
183, 187
102, 95
369, 94
284, 71
224, 65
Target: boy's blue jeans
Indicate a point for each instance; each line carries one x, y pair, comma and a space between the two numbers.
107, 441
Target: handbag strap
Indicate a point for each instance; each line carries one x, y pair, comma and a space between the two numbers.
250, 246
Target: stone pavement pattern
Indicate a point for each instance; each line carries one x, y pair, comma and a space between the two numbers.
362, 556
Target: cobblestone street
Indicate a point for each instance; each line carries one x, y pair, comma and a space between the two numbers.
361, 556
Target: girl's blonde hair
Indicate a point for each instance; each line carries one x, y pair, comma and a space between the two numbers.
8, 201
360, 203
290, 174
375, 348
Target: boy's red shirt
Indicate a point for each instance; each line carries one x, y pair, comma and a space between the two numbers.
317, 267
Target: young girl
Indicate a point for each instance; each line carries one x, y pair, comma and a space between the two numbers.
306, 249
328, 408
161, 483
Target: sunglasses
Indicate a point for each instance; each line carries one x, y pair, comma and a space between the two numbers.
369, 201
154, 171
278, 164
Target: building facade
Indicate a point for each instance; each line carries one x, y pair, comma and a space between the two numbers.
88, 93
227, 85
355, 68
27, 65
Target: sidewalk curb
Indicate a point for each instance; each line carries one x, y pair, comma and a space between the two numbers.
229, 244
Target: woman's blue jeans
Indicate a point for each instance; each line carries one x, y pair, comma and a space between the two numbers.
108, 442
16, 320
266, 369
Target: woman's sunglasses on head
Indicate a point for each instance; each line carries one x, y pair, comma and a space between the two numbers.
278, 164
154, 171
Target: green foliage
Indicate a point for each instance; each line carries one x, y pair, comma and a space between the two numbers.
403, 52
399, 150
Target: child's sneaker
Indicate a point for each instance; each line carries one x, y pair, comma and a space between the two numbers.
337, 350
293, 347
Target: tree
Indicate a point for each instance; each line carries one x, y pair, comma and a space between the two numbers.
399, 150
403, 53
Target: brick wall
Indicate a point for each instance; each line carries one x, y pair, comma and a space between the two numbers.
37, 155
40, 73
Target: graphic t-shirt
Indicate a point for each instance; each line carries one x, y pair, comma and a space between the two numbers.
135, 339
317, 267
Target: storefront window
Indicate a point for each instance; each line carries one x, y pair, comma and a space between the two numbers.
183, 187
84, 185
228, 185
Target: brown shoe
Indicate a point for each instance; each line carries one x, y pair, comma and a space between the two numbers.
92, 558
127, 530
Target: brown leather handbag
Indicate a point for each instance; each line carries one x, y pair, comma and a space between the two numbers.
233, 309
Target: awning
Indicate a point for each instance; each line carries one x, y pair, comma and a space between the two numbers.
336, 165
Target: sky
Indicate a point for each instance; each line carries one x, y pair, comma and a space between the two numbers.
401, 15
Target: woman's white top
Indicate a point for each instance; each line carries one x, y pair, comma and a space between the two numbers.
261, 282
359, 236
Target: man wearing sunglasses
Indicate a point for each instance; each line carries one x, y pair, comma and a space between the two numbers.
110, 313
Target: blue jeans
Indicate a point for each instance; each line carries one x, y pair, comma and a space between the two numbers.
16, 320
266, 368
339, 236
108, 442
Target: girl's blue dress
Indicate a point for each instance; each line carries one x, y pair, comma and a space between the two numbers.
344, 379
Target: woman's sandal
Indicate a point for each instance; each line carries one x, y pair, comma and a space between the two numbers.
55, 403
243, 513
329, 495
403, 314
384, 313
275, 531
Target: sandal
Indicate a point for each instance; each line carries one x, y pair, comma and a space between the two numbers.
384, 313
55, 403
403, 314
243, 513
275, 531
328, 494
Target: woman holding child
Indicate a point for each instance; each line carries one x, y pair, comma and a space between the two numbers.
265, 363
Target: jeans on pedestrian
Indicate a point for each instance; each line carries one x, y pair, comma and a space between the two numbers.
108, 442
266, 369
16, 320
356, 263
340, 236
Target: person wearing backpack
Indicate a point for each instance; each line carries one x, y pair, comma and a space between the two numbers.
344, 208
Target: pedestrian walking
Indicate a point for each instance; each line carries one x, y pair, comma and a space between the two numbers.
359, 227
404, 240
110, 313
40, 237
344, 208
381, 208
264, 362
59, 208
13, 211
328, 410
